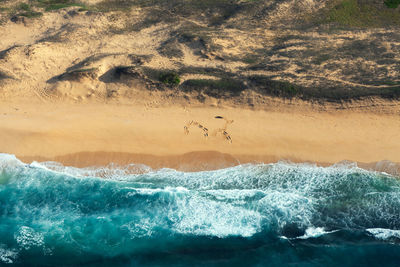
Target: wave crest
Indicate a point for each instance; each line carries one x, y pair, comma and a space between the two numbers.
74, 210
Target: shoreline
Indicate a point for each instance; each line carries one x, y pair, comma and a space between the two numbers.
193, 161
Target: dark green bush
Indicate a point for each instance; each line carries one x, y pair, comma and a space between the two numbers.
170, 78
392, 3
24, 6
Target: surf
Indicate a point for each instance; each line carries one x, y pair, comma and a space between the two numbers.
125, 214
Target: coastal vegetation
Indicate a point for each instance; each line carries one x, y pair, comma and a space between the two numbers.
170, 78
215, 88
342, 50
50, 5
357, 13
392, 3
216, 12
35, 8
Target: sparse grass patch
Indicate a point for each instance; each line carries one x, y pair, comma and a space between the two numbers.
25, 10
276, 88
33, 8
214, 11
215, 88
333, 93
60, 6
362, 14
115, 5
24, 6
50, 5
220, 73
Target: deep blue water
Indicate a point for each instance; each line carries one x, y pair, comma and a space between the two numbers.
251, 215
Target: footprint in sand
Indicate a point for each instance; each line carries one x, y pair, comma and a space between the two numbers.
151, 104
223, 131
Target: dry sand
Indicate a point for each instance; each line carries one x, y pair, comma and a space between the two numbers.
100, 133
97, 120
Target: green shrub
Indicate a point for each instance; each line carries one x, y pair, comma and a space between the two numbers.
392, 3
24, 6
170, 78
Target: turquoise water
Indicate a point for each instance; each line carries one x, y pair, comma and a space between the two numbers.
249, 215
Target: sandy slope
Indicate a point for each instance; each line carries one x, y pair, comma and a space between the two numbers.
35, 53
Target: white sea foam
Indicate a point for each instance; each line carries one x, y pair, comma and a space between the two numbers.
7, 160
111, 171
311, 232
153, 191
314, 232
199, 216
287, 207
382, 233
7, 255
141, 228
27, 238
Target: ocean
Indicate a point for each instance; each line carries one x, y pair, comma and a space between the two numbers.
250, 215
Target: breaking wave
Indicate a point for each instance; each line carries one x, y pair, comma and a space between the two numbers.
280, 213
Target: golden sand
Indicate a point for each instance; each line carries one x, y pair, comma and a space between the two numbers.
100, 133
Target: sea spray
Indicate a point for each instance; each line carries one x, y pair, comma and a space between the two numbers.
278, 213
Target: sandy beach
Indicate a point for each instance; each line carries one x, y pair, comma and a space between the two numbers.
82, 87
98, 134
